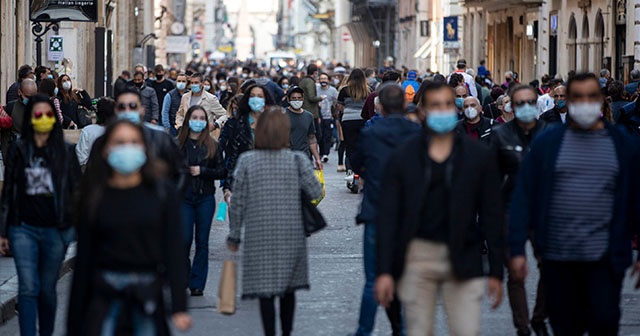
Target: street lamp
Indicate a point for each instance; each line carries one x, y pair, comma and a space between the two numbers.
38, 30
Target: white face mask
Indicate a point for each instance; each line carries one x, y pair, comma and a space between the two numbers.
296, 104
507, 108
66, 86
585, 114
471, 113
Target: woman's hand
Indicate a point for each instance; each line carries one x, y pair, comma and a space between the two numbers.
182, 321
72, 125
232, 247
195, 170
4, 245
227, 196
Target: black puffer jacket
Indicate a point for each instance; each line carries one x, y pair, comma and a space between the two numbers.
210, 170
66, 176
235, 139
511, 143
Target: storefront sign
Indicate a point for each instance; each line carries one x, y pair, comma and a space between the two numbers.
63, 10
451, 40
56, 52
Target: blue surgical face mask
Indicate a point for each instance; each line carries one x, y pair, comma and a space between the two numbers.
285, 86
197, 126
25, 101
127, 159
561, 104
132, 116
459, 102
526, 113
181, 86
256, 104
442, 122
195, 88
50, 76
55, 91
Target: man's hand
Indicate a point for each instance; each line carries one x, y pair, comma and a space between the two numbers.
153, 121
636, 270
384, 290
4, 245
232, 247
182, 321
194, 170
495, 292
518, 267
319, 164
227, 196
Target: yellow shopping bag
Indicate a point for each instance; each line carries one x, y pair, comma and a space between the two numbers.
320, 176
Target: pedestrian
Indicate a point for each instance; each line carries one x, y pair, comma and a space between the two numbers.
216, 114
238, 134
171, 104
272, 222
17, 110
440, 205
274, 89
104, 115
506, 111
351, 101
303, 132
121, 82
206, 165
74, 102
490, 108
311, 97
615, 91
375, 145
327, 106
207, 85
368, 110
512, 141
475, 124
24, 72
126, 257
462, 93
161, 85
283, 82
558, 114
631, 87
148, 96
41, 172
468, 81
48, 88
546, 101
576, 191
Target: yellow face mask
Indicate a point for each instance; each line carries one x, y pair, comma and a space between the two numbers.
43, 123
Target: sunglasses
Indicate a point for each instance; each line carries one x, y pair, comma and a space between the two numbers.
123, 106
523, 102
39, 114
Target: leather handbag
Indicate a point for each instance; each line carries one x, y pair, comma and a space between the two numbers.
311, 216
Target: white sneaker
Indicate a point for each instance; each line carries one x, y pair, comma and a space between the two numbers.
325, 158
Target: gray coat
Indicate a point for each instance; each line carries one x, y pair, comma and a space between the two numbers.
150, 103
266, 202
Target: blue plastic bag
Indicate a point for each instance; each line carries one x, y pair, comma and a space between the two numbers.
222, 211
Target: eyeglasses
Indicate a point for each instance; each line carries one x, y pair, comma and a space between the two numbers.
40, 114
523, 102
123, 106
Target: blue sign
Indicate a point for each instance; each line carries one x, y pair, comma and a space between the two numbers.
451, 29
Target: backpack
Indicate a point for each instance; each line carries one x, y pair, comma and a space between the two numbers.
409, 93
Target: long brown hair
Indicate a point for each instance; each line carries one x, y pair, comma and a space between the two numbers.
67, 96
357, 86
204, 138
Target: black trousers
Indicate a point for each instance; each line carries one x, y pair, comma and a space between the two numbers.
582, 297
268, 313
351, 130
325, 140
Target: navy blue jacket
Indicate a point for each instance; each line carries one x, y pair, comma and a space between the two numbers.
375, 145
530, 203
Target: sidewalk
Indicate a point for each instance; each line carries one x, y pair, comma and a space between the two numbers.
9, 283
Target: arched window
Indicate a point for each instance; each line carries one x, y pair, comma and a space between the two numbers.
599, 43
571, 43
585, 43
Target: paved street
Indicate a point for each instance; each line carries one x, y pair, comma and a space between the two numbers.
331, 307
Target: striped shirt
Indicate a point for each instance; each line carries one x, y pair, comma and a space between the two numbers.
582, 197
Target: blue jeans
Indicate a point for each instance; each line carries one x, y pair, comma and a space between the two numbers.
143, 325
369, 305
38, 253
198, 213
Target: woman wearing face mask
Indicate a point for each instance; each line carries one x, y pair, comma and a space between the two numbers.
233, 83
207, 86
125, 256
504, 105
41, 172
205, 166
238, 133
75, 102
283, 82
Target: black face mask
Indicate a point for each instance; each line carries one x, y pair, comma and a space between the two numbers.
159, 76
138, 84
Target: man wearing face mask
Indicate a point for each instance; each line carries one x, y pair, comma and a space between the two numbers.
149, 98
512, 142
161, 85
558, 114
159, 143
303, 132
440, 204
216, 114
461, 94
578, 191
171, 104
327, 106
474, 124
